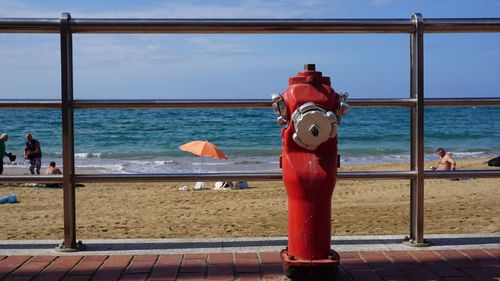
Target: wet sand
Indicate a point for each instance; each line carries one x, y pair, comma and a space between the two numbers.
160, 210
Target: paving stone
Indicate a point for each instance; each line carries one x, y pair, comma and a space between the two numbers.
344, 255
491, 265
94, 258
426, 256
42, 258
220, 272
354, 264
444, 269
270, 258
11, 263
480, 273
134, 277
477, 254
191, 276
193, 265
494, 252
117, 261
58, 268
246, 262
458, 279
422, 274
140, 266
146, 257
249, 276
220, 259
404, 260
379, 262
166, 267
271, 270
364, 275
17, 278
457, 259
77, 278
374, 257
112, 268
389, 273
195, 256
32, 268
107, 274
397, 279
87, 266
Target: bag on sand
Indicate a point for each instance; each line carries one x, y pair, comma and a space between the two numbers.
494, 162
199, 185
241, 185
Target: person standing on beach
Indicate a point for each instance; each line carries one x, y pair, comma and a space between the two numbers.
3, 139
446, 162
33, 152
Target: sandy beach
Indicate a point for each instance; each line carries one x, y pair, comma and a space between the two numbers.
160, 210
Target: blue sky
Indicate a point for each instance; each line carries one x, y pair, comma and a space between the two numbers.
247, 66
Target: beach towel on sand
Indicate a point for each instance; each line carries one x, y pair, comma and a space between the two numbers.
11, 198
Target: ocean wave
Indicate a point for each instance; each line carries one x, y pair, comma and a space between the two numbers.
211, 163
88, 155
246, 162
471, 154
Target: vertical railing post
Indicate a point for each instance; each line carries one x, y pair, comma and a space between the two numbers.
416, 237
69, 244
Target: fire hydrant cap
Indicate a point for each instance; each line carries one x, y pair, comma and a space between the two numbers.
309, 67
309, 76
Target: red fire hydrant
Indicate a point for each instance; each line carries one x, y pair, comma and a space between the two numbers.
309, 113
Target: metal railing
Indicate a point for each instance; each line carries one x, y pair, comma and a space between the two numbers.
415, 27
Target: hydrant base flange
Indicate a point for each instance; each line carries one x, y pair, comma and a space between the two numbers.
321, 269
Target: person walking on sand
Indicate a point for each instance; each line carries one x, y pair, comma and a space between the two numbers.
33, 152
446, 161
52, 170
3, 139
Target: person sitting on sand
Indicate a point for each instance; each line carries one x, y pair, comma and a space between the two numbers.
446, 161
52, 170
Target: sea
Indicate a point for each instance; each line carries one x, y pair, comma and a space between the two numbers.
147, 140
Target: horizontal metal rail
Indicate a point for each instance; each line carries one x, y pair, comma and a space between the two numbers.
239, 103
249, 26
19, 104
257, 176
31, 178
262, 103
83, 178
493, 173
461, 25
462, 101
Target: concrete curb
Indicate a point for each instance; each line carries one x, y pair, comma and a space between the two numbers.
244, 245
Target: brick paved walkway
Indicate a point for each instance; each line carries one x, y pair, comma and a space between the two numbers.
450, 265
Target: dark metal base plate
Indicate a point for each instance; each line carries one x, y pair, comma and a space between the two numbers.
79, 246
413, 243
311, 270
